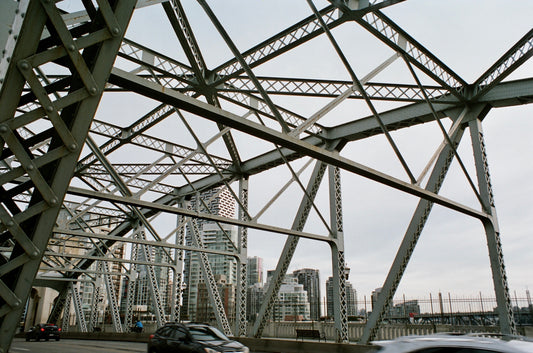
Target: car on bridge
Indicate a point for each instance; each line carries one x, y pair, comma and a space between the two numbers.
192, 338
457, 343
44, 331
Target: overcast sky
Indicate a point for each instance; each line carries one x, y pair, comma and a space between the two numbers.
468, 36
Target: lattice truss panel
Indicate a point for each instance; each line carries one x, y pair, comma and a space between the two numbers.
109, 127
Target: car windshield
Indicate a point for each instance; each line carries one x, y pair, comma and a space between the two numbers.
207, 334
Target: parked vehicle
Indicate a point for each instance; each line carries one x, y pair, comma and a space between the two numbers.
44, 331
192, 338
457, 343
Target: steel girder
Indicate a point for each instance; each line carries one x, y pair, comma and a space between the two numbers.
95, 305
492, 231
112, 296
65, 320
59, 304
414, 230
80, 316
153, 283
132, 279
288, 250
241, 325
502, 68
213, 113
88, 52
239, 100
339, 270
177, 285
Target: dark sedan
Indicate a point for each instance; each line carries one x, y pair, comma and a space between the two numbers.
192, 338
44, 331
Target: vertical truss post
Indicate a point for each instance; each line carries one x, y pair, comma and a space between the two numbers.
78, 308
157, 303
130, 299
112, 297
93, 321
211, 285
412, 234
492, 231
177, 285
242, 262
340, 306
271, 294
174, 298
65, 322
130, 294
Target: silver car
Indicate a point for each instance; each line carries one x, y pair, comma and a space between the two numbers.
457, 343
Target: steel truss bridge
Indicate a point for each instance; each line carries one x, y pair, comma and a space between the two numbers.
74, 158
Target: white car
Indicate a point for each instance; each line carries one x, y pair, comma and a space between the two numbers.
457, 343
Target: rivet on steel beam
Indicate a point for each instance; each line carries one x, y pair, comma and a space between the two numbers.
115, 31
10, 223
34, 255
71, 47
53, 201
16, 304
93, 91
24, 65
72, 147
49, 109
3, 128
30, 167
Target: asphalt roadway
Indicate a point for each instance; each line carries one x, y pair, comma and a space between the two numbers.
20, 345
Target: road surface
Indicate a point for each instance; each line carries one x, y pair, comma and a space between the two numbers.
19, 345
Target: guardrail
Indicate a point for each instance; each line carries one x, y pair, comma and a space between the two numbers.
286, 331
